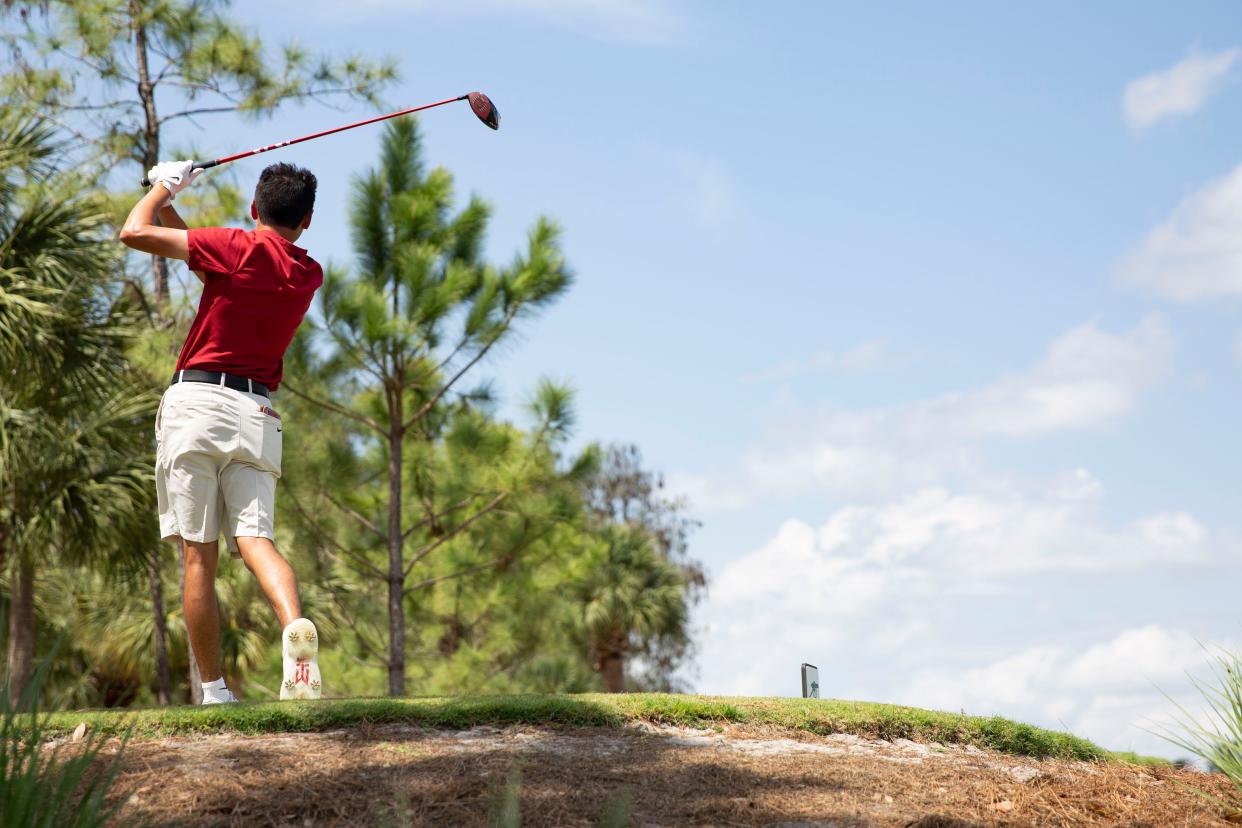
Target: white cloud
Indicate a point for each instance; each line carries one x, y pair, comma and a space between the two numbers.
1196, 253
1112, 692
1177, 91
933, 541
894, 636
895, 592
1087, 378
1010, 683
864, 594
1152, 654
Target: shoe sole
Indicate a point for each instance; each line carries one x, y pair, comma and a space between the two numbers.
301, 657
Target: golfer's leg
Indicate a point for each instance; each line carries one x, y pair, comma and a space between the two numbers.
202, 615
275, 576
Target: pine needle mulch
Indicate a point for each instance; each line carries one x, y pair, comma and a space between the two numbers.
644, 774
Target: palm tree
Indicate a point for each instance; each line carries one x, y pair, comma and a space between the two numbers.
75, 469
629, 592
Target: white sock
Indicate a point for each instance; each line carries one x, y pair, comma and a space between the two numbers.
216, 691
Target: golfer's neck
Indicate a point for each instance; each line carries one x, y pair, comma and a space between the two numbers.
287, 235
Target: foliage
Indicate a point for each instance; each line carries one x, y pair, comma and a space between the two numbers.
120, 77
75, 469
628, 591
621, 492
1217, 737
79, 61
47, 789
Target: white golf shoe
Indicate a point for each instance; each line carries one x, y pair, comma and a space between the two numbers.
301, 650
228, 698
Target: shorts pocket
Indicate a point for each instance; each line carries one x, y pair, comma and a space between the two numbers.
273, 441
266, 435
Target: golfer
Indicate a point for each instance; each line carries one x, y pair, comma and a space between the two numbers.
218, 438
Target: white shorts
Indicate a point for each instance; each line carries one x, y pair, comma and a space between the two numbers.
217, 458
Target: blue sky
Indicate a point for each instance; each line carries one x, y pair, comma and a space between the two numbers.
932, 312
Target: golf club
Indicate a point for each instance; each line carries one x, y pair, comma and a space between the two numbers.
480, 104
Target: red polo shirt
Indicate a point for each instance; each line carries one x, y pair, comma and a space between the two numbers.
258, 288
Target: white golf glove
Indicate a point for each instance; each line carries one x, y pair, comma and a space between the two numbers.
174, 175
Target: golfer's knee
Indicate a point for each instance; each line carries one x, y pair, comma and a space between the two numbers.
253, 547
201, 556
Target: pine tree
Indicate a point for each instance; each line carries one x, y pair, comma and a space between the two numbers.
401, 334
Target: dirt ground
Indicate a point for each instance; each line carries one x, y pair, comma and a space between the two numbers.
646, 775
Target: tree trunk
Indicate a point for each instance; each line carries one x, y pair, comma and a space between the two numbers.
151, 141
195, 678
162, 675
21, 629
396, 559
612, 665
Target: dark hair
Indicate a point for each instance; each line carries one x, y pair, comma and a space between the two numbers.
284, 195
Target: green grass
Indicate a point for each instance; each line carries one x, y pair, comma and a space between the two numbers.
1129, 757
821, 716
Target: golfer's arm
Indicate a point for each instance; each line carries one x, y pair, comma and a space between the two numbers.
141, 232
170, 218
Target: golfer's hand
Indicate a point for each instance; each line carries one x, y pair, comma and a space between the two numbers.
174, 175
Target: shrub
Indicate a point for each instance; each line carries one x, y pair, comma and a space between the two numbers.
1217, 737
47, 788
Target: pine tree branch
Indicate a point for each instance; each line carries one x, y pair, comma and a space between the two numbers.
454, 532
440, 366
96, 68
205, 110
339, 409
354, 514
353, 347
358, 630
427, 406
440, 578
406, 534
91, 107
356, 564
358, 560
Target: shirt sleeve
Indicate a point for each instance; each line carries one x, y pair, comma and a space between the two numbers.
214, 249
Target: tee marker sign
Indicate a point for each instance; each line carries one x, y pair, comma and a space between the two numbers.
810, 681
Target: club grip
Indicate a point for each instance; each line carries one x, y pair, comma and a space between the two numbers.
146, 182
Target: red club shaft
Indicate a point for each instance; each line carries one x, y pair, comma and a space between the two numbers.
292, 141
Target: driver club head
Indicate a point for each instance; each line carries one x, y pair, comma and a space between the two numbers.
485, 109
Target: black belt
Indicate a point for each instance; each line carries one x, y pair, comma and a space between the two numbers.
216, 378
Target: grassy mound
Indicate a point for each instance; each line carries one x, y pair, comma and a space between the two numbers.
820, 716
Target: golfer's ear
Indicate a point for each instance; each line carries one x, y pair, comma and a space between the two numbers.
254, 211
306, 221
